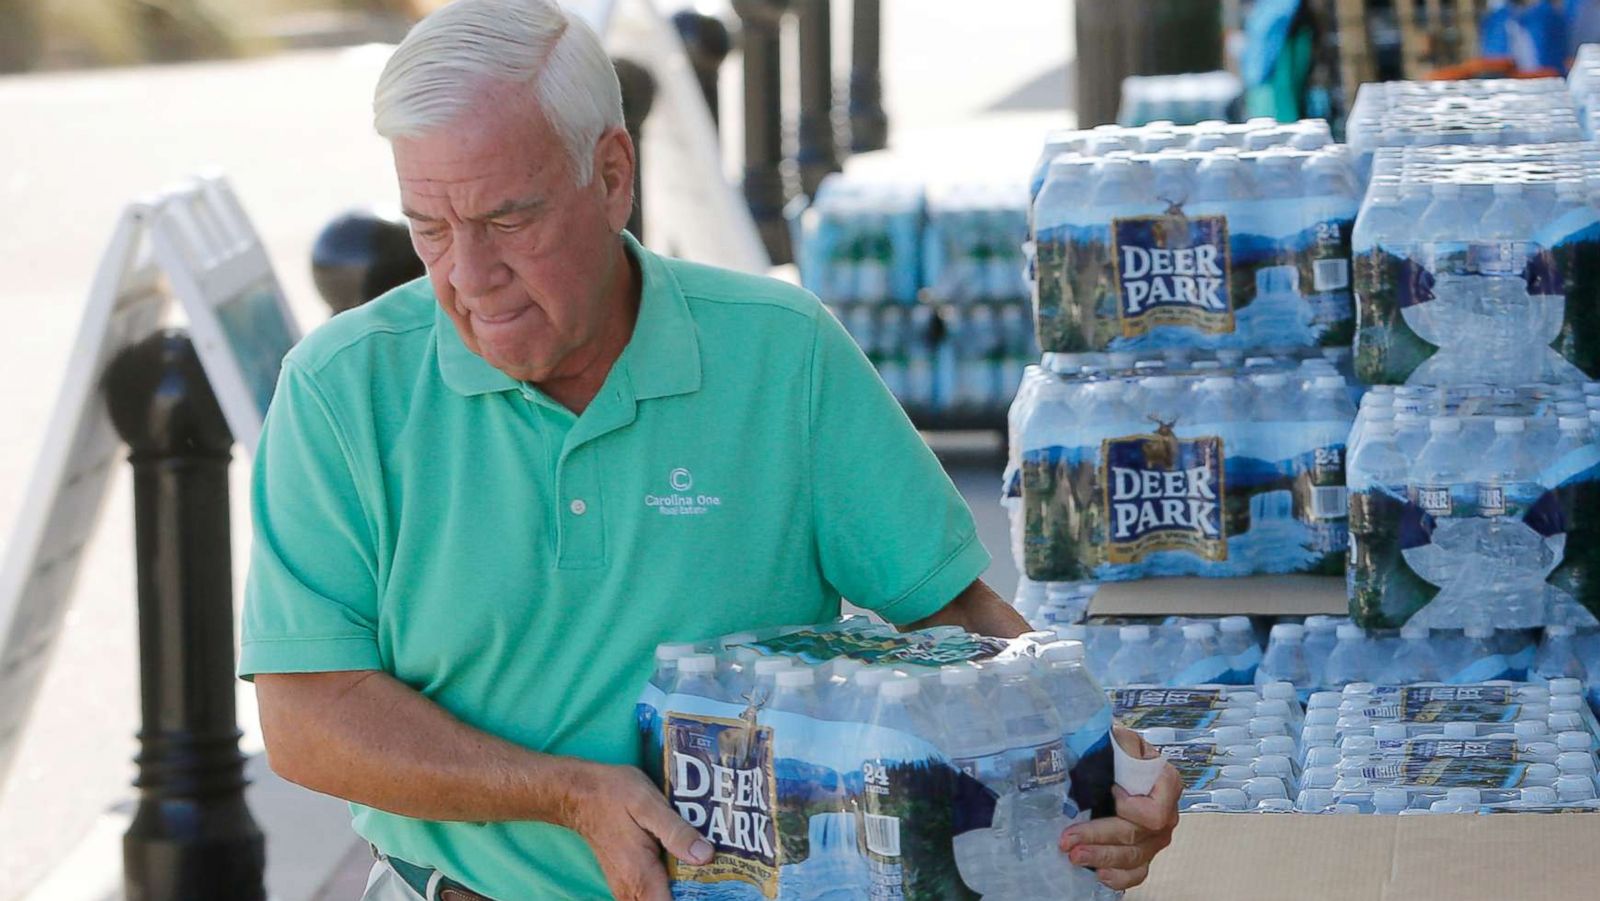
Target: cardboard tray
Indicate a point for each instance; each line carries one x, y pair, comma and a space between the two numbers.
1294, 857
1254, 595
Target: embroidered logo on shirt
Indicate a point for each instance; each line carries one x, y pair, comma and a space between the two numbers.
679, 501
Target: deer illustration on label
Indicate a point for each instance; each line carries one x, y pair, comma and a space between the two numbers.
1163, 492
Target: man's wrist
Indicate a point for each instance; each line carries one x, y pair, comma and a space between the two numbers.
569, 784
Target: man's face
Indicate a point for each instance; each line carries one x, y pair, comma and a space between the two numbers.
523, 260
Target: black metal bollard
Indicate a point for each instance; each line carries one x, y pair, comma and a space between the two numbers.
818, 154
361, 254
708, 43
869, 125
638, 93
760, 41
192, 837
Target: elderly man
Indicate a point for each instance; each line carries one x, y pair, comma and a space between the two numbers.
482, 500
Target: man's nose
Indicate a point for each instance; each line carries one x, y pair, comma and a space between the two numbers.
476, 268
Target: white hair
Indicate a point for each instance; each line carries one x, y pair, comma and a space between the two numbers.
448, 58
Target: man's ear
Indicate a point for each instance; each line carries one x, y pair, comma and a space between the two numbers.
614, 162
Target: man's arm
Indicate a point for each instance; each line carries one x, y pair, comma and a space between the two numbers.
369, 738
1120, 847
977, 609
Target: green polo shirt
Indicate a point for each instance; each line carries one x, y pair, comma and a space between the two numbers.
418, 511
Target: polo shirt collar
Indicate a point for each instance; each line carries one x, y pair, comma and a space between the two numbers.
661, 359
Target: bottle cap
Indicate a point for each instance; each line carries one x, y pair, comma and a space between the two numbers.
1574, 788
1565, 721
1319, 777
958, 675
1540, 795
768, 666
697, 664
1160, 382
1261, 726
1412, 632
1390, 800
898, 689
1322, 716
1277, 708
1279, 691
1323, 757
1134, 633
1350, 632
1478, 631
1198, 631
1225, 736
1230, 798
1541, 772
1060, 651
1316, 800
1574, 423
1236, 773
796, 677
1565, 686
1506, 425
1234, 624
1288, 632
1389, 731
1567, 702
1578, 763
1280, 745
1359, 689
1328, 382
1530, 729
666, 652
1314, 735
1442, 425
1159, 735
1276, 765
1573, 741
1322, 700
1262, 787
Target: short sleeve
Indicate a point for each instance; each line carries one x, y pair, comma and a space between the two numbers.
893, 533
311, 594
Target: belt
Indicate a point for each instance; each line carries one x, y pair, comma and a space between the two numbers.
420, 878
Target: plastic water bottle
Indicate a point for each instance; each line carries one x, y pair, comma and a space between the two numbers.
1199, 661
1285, 659
1415, 660
1347, 662
1321, 633
976, 744
1557, 658
1237, 642
1134, 662
1039, 781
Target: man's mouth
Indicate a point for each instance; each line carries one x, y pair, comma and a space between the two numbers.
499, 318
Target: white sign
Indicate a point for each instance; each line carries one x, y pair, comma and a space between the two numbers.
195, 243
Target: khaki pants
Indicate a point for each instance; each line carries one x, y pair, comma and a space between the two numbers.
384, 884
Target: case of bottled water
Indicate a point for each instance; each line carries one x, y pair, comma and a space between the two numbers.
860, 241
1476, 111
972, 243
1479, 264
950, 360
1187, 240
1189, 98
1474, 506
849, 761
1195, 468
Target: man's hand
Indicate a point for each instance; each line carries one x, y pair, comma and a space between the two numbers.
627, 823
1121, 847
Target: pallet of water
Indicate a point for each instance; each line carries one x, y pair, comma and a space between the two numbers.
1479, 264
1475, 506
1190, 469
850, 761
1203, 237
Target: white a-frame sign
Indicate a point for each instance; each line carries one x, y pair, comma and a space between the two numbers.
193, 244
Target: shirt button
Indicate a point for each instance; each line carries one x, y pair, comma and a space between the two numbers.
578, 507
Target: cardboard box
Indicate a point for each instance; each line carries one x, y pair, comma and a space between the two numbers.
1296, 857
1255, 595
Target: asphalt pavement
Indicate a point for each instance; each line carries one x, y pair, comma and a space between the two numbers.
969, 94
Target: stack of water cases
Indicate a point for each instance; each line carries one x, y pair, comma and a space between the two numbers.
1209, 236
1218, 466
1475, 506
930, 283
1236, 749
1479, 264
849, 761
1483, 748
1482, 112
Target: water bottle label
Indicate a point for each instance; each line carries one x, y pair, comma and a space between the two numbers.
1450, 763
1164, 493
1456, 703
1491, 500
1177, 708
1042, 765
1435, 500
720, 779
1172, 269
918, 648
1196, 763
